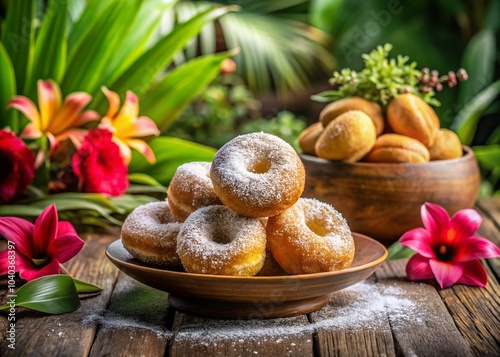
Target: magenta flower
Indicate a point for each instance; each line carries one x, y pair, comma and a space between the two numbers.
446, 249
39, 247
17, 166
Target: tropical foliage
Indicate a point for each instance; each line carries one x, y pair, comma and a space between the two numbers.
131, 59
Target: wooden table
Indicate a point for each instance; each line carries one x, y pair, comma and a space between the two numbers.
386, 315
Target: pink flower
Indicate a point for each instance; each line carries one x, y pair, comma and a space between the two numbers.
17, 166
446, 249
39, 247
99, 166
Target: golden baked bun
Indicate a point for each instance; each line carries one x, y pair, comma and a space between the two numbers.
397, 148
409, 115
308, 137
338, 107
447, 145
347, 138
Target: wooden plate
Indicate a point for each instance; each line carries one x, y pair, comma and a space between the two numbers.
233, 297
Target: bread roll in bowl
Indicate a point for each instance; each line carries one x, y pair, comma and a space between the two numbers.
347, 138
398, 149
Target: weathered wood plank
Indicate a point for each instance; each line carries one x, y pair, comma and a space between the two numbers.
71, 334
490, 228
194, 336
476, 312
491, 206
354, 323
134, 323
427, 328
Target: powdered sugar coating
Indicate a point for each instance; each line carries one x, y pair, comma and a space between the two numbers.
216, 240
149, 234
310, 237
258, 175
191, 188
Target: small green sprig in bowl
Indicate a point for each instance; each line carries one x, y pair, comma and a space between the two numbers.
384, 78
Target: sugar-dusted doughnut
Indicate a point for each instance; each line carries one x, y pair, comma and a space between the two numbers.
257, 175
149, 234
216, 240
191, 188
310, 237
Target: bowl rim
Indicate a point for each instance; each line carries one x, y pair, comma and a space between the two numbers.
468, 154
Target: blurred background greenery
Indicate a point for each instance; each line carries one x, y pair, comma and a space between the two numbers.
284, 59
288, 49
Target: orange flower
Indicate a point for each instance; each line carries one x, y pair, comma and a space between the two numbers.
55, 120
126, 126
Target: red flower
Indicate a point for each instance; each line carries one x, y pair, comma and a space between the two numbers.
39, 247
17, 164
99, 166
446, 249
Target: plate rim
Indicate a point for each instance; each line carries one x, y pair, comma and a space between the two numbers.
146, 267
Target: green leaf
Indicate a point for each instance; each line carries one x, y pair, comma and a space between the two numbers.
479, 62
53, 294
18, 38
50, 46
143, 179
90, 57
85, 288
465, 122
8, 118
165, 102
141, 34
322, 13
170, 153
488, 156
141, 73
93, 10
399, 251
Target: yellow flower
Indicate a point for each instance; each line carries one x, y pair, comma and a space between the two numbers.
127, 127
55, 120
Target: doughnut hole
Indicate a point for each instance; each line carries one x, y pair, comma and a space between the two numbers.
260, 166
317, 227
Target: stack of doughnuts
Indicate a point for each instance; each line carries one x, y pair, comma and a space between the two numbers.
356, 129
241, 215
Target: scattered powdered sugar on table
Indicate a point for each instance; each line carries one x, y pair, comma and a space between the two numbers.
362, 306
367, 308
116, 321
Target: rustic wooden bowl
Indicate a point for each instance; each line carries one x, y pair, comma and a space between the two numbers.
232, 297
383, 200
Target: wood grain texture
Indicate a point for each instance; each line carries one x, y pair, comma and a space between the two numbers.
431, 331
194, 336
134, 323
349, 326
71, 334
476, 312
490, 228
